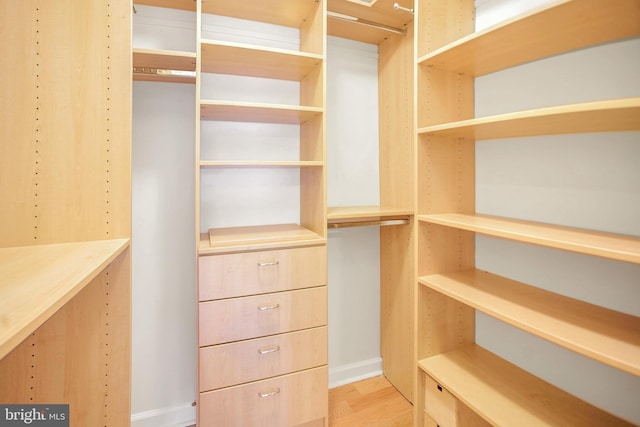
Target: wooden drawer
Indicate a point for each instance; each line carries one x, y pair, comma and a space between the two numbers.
439, 404
245, 361
243, 318
289, 400
251, 273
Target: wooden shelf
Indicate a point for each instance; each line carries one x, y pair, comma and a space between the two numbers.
600, 116
259, 164
171, 4
365, 213
241, 239
605, 335
256, 112
279, 12
152, 65
36, 281
560, 27
606, 245
377, 12
500, 392
246, 60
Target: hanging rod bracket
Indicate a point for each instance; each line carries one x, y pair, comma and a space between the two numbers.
396, 6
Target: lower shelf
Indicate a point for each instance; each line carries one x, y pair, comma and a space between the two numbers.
242, 239
36, 281
500, 392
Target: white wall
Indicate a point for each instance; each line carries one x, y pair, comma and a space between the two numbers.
163, 243
163, 276
590, 181
353, 180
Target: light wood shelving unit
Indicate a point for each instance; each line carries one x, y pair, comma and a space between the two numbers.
305, 66
449, 56
395, 214
295, 393
65, 275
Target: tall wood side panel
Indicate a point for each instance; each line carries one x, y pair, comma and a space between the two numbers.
395, 92
65, 142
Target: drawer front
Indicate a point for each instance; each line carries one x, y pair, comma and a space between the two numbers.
289, 400
439, 404
257, 316
251, 273
245, 361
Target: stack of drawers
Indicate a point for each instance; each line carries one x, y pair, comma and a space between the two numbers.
263, 338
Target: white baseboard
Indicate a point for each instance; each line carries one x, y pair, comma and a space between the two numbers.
353, 372
177, 416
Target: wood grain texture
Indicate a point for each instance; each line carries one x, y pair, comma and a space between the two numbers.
599, 116
261, 272
256, 112
279, 12
501, 392
372, 402
607, 245
604, 335
255, 316
36, 281
65, 177
252, 360
289, 400
555, 28
240, 59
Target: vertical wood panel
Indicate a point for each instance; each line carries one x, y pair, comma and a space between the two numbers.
65, 176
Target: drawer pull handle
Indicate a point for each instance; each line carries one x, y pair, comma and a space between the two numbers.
270, 393
268, 307
268, 264
273, 349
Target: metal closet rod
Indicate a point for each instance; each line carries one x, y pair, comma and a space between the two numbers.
360, 21
380, 223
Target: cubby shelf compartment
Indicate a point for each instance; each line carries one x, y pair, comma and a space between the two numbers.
171, 4
501, 393
152, 60
605, 335
242, 239
568, 25
256, 112
246, 60
599, 116
36, 281
280, 12
258, 164
607, 245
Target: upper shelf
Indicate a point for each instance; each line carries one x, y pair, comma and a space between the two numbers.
280, 12
256, 112
501, 392
368, 22
259, 164
246, 60
36, 281
171, 4
605, 335
560, 27
242, 239
152, 64
606, 245
599, 116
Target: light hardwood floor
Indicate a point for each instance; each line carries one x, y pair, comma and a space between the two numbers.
372, 403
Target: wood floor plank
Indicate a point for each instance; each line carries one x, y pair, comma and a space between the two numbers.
372, 403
